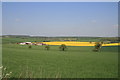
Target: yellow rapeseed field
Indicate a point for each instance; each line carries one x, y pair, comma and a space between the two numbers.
73, 43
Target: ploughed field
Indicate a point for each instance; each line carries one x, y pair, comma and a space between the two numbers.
75, 62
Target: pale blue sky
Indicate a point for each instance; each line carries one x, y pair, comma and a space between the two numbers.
60, 0
60, 18
0, 18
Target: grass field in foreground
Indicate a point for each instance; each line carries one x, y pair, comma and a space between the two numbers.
75, 62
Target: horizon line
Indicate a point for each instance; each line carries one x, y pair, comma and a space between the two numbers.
55, 36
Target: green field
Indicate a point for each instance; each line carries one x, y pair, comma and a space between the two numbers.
75, 62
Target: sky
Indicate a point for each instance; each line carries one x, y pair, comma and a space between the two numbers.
0, 18
60, 0
99, 19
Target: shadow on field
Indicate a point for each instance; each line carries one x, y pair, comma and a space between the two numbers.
80, 51
110, 49
69, 48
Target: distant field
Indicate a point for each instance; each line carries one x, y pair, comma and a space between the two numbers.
38, 39
75, 62
77, 43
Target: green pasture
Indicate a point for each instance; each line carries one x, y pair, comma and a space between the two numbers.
75, 62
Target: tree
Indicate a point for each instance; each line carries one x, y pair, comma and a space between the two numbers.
97, 46
47, 47
63, 47
30, 46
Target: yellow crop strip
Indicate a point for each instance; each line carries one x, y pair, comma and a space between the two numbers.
72, 43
